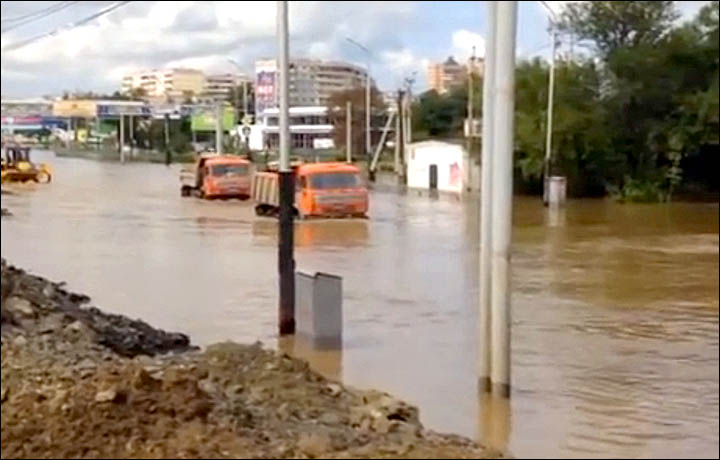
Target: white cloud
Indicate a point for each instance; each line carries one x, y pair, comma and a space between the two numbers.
197, 34
401, 64
464, 41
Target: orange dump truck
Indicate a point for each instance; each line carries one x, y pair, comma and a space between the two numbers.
321, 190
217, 176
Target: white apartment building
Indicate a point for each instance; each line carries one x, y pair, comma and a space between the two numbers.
310, 129
312, 81
169, 84
219, 86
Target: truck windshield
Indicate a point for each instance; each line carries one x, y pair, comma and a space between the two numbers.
334, 180
229, 170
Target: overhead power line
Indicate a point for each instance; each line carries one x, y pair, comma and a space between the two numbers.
39, 15
32, 14
104, 11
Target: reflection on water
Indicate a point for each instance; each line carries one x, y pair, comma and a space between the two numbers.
326, 362
321, 233
494, 421
615, 307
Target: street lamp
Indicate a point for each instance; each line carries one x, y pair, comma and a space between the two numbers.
368, 143
551, 91
244, 87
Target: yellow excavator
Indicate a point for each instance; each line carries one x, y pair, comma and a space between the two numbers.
17, 167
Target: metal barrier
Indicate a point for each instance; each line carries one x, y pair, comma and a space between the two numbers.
318, 304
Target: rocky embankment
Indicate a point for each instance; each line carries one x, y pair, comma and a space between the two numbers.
77, 382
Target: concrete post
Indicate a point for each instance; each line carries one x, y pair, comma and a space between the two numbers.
132, 138
348, 131
486, 204
396, 163
502, 181
219, 128
122, 139
549, 124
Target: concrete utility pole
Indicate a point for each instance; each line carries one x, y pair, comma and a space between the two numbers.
167, 139
122, 139
470, 122
401, 133
502, 183
244, 89
286, 263
368, 139
132, 138
398, 124
551, 94
348, 131
486, 202
219, 128
245, 104
381, 144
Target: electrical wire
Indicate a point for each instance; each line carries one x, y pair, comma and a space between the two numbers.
34, 13
104, 11
40, 16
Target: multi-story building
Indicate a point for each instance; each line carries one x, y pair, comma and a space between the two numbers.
24, 107
219, 86
171, 84
312, 81
443, 76
310, 129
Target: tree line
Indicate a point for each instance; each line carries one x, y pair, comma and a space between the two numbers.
636, 109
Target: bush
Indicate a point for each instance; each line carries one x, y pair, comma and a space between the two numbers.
639, 191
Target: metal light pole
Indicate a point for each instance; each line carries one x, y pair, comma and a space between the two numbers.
286, 264
244, 88
368, 139
551, 93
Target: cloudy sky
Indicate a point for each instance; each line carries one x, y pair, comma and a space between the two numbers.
403, 37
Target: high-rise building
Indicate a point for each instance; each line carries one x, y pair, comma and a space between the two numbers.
312, 81
170, 84
443, 76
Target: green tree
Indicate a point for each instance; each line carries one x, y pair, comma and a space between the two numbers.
615, 25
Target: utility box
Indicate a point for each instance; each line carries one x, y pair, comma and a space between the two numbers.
318, 309
557, 190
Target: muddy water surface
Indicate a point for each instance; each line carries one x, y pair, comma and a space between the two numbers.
615, 307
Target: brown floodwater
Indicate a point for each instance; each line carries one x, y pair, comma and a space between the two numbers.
615, 307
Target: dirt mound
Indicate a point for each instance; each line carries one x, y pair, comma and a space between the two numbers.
68, 391
39, 306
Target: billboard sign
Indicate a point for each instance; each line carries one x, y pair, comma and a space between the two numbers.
265, 85
206, 119
75, 108
115, 110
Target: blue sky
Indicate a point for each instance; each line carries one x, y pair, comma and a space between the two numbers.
403, 36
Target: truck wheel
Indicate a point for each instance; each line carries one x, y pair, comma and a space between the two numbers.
184, 191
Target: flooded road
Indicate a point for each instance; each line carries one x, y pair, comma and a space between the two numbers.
615, 307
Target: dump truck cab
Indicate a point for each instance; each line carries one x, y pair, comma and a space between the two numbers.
330, 189
218, 176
